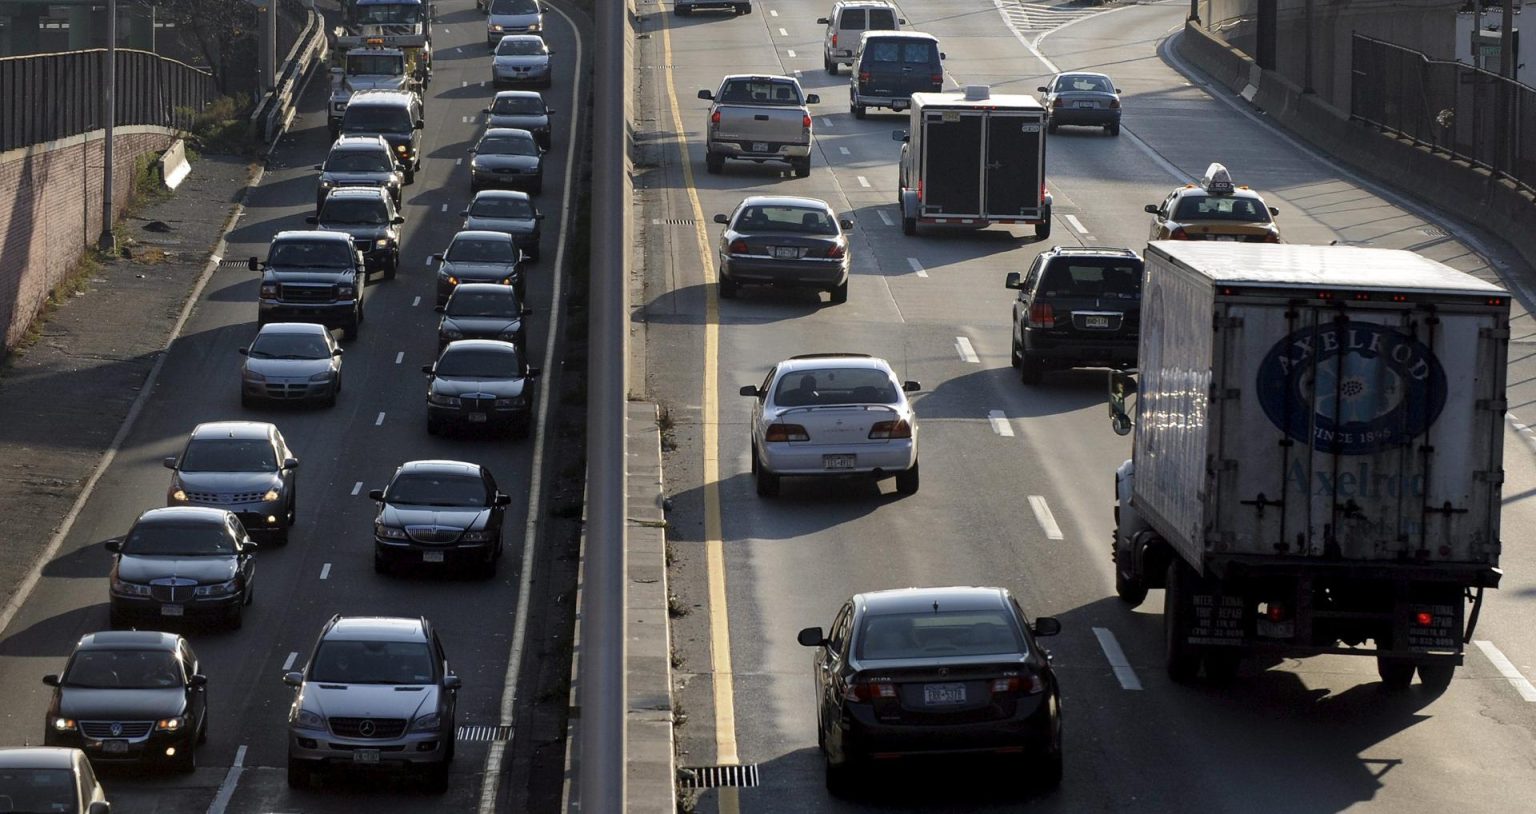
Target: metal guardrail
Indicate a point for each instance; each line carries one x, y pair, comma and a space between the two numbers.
311, 49
1474, 115
44, 97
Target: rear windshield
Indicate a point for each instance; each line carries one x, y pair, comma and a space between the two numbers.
895, 51
311, 254
125, 669
376, 119
39, 789
853, 19
367, 211
518, 104
939, 635
426, 489
1092, 278
355, 161
1067, 84
1221, 207
229, 455
785, 219
882, 19
372, 662
759, 92
827, 386
474, 250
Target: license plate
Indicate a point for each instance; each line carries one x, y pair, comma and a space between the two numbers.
837, 461
431, 556
365, 756
172, 610
1096, 322
114, 747
936, 694
476, 418
759, 146
1225, 237
1089, 105
786, 252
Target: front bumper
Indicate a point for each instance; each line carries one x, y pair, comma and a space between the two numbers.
149, 748
331, 315
873, 459
410, 552
480, 416
745, 270
532, 76
262, 515
286, 390
413, 749
148, 607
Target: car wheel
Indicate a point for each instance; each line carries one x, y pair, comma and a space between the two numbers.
1395, 675
714, 163
840, 777
116, 618
1114, 129
727, 288
437, 778
393, 267
298, 775
767, 482
1015, 358
1436, 677
185, 761
857, 110
1031, 370
245, 399
349, 332
410, 176
829, 65
1043, 228
1050, 771
1131, 591
743, 8
487, 568
202, 734
330, 398
906, 482
280, 536
802, 168
236, 617
840, 294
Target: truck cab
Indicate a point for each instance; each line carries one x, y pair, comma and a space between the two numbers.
312, 276
374, 67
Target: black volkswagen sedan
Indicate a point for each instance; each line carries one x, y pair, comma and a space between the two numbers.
439, 512
935, 671
480, 383
130, 696
182, 561
483, 311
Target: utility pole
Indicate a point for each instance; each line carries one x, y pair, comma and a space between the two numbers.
1306, 71
108, 241
1507, 50
1194, 12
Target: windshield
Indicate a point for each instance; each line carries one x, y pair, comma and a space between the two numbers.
474, 250
1221, 207
514, 7
785, 219
289, 346
502, 303
430, 489
39, 790
480, 363
229, 455
126, 669
178, 540
376, 119
376, 65
370, 211
385, 14
352, 161
759, 92
1069, 84
502, 207
507, 145
518, 104
310, 254
519, 47
943, 635
835, 386
371, 662
1089, 278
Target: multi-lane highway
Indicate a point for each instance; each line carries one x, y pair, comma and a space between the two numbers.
1021, 499
344, 451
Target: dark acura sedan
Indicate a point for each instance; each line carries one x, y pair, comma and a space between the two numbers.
130, 696
439, 512
182, 561
783, 241
483, 311
480, 382
507, 157
935, 671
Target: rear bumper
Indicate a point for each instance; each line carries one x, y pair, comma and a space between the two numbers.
882, 100
784, 273
148, 749
866, 737
406, 552
1097, 117
1080, 353
775, 151
876, 460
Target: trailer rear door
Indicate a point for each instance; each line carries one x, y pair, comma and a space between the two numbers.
1015, 159
951, 163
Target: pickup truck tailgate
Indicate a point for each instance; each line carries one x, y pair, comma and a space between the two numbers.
766, 124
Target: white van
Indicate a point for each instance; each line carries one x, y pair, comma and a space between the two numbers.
848, 20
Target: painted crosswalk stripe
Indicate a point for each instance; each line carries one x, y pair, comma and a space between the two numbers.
917, 268
1117, 661
826, 122
1507, 669
1044, 517
967, 353
1000, 425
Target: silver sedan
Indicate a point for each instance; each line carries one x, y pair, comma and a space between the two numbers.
521, 59
782, 241
291, 361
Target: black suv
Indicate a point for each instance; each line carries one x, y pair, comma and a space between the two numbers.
368, 215
439, 512
1077, 307
312, 277
394, 114
359, 161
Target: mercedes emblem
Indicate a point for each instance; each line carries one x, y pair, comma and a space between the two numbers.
366, 729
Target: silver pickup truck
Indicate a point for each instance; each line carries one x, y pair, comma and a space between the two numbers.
759, 118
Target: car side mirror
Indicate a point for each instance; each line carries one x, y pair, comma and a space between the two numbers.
472, 151
707, 95
253, 264
319, 167
441, 309
1042, 89
1047, 626
99, 807
538, 216
1273, 211
52, 679
291, 462
846, 223
293, 678
823, 21
898, 135
811, 637
338, 351
397, 220
197, 680
114, 545
311, 219
243, 351
503, 500
813, 98
901, 21
463, 213
1013, 281
525, 311
749, 390
549, 111
485, 110
911, 387
427, 369
533, 373
436, 258
943, 55
1117, 90
1150, 209
452, 682
170, 461
720, 218
419, 124
249, 545
1122, 385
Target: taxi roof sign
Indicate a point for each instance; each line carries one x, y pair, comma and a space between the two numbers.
1217, 180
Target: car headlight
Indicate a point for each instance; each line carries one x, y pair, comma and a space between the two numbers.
308, 720
180, 496
129, 588
450, 279
221, 589
427, 723
495, 27
271, 495
401, 148
269, 290
326, 183
381, 243
515, 401
452, 334
388, 532
346, 291
321, 377
252, 376
443, 401
175, 724
62, 724
484, 536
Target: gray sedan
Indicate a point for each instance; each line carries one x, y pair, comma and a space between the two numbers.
1087, 99
783, 241
291, 361
523, 109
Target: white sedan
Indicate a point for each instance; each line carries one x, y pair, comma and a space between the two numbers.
833, 415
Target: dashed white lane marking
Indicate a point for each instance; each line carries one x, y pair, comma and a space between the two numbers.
288, 662
1000, 425
772, 13
790, 52
783, 33
357, 488
863, 182
826, 122
1077, 224
415, 301
399, 357
1507, 669
458, 162
379, 422
445, 209
967, 353
227, 788
469, 119
464, 84
917, 268
428, 264
1044, 517
1117, 661
844, 150
884, 218
325, 571
797, 72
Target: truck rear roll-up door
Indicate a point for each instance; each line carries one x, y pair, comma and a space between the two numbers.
952, 164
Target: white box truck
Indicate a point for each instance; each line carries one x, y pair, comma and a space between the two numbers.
1317, 455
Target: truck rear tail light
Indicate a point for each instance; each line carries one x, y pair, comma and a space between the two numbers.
836, 251
1274, 611
714, 118
805, 121
786, 432
890, 429
1178, 234
937, 79
1423, 618
1042, 315
870, 690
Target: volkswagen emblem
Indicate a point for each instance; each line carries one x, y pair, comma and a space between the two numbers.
117, 729
366, 729
943, 671
226, 498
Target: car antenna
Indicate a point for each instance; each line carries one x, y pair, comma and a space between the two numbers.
935, 606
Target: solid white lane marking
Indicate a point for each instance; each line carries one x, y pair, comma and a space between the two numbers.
469, 119
379, 422
1077, 224
967, 353
227, 788
1123, 670
415, 301
863, 182
783, 33
357, 488
288, 662
917, 268
1044, 517
844, 150
325, 571
1000, 425
884, 218
1507, 669
400, 357
1157, 158
790, 52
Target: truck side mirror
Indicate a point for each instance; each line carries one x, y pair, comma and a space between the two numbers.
823, 21
419, 124
1273, 211
707, 95
911, 387
1043, 89
253, 264
813, 99
899, 135
397, 220
1046, 626
1122, 384
311, 219
811, 637
943, 55
1013, 281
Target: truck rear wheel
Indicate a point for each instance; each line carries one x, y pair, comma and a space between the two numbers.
714, 163
1043, 228
802, 167
908, 225
1181, 660
1436, 677
1395, 675
1131, 591
856, 109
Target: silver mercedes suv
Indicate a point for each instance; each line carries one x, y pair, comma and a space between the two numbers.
377, 693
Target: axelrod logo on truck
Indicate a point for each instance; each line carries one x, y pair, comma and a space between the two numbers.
1354, 388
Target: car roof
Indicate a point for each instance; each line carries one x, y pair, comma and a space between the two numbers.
37, 757
785, 200
128, 640
485, 288
295, 328
381, 96
360, 142
181, 515
493, 194
312, 234
482, 234
905, 35
497, 345
233, 429
917, 600
821, 361
441, 466
859, 3
518, 94
505, 131
376, 629
780, 77
1094, 251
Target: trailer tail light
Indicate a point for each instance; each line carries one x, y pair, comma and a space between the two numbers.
1424, 619
805, 121
890, 429
1042, 315
870, 690
1178, 234
1274, 611
919, 190
836, 251
714, 118
738, 247
786, 432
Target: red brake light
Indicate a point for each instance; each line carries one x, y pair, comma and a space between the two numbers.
714, 118
1024, 685
1042, 315
919, 190
891, 429
863, 77
1424, 618
1178, 234
836, 251
870, 690
834, 40
786, 432
805, 121
1276, 612
937, 79
738, 247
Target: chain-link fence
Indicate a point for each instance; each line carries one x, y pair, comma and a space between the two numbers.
1479, 117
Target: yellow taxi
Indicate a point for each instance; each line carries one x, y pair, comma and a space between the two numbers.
1214, 210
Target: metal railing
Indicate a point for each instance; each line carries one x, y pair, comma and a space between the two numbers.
1474, 115
44, 97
